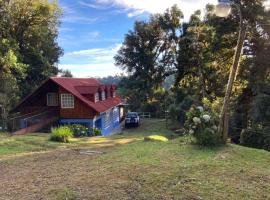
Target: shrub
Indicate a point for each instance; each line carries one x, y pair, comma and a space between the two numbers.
79, 130
202, 124
96, 132
61, 134
256, 138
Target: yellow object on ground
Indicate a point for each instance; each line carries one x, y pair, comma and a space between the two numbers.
156, 138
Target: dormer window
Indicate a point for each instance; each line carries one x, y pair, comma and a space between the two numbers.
103, 95
106, 94
96, 97
99, 96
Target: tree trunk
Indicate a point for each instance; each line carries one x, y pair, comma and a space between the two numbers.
202, 83
224, 117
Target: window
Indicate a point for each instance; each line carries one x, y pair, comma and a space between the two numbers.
52, 99
113, 94
67, 101
96, 97
103, 95
107, 119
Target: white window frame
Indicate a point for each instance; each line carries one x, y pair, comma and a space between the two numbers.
96, 97
67, 95
56, 102
103, 96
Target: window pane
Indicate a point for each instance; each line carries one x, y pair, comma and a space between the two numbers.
52, 99
67, 101
96, 97
103, 95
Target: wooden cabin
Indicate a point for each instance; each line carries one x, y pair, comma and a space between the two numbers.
72, 100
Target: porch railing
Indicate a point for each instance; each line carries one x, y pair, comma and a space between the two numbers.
30, 119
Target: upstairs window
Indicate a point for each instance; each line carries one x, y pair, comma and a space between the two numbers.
67, 101
52, 99
99, 96
106, 94
103, 95
96, 97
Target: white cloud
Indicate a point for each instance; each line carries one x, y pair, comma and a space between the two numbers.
91, 62
91, 5
137, 7
96, 52
78, 19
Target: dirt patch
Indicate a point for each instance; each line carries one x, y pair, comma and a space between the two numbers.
79, 173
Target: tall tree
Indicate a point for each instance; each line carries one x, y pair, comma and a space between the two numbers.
148, 52
31, 26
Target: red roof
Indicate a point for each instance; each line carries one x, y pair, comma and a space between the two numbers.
80, 86
76, 87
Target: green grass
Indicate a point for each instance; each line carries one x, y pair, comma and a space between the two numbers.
132, 168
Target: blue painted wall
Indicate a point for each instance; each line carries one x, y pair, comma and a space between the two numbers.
114, 121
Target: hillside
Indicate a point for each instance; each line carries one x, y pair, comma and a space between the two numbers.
130, 168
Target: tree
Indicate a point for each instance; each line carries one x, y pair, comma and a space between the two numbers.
247, 20
31, 26
28, 48
148, 52
65, 73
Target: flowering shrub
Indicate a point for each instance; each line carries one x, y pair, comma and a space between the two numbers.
201, 124
96, 132
78, 130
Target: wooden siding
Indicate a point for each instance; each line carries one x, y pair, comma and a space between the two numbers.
38, 101
80, 110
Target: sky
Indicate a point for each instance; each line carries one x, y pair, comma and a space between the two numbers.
92, 31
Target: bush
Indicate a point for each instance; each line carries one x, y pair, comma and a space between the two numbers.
259, 138
96, 132
61, 134
79, 130
202, 125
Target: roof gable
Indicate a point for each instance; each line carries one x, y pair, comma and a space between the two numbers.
78, 87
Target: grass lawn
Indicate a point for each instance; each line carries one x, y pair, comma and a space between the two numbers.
33, 168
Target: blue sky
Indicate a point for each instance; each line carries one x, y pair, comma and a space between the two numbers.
92, 30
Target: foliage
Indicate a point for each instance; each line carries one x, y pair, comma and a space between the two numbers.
28, 47
202, 124
156, 138
79, 130
61, 134
257, 138
111, 79
198, 54
96, 132
65, 73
